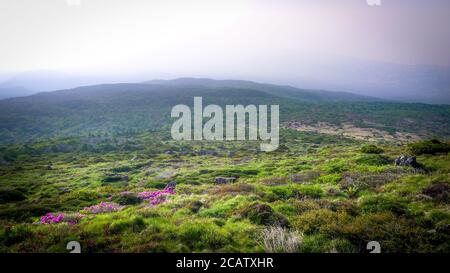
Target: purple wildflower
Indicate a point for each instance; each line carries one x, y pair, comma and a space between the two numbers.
103, 207
156, 197
50, 218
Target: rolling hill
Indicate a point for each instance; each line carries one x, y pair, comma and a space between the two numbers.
136, 107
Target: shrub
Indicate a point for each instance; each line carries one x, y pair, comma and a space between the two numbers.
438, 191
202, 235
111, 179
263, 214
433, 146
122, 169
156, 184
373, 160
315, 220
371, 149
15, 234
156, 197
11, 195
330, 178
50, 218
314, 243
335, 166
382, 204
313, 191
195, 206
282, 192
280, 240
320, 243
127, 198
368, 180
285, 208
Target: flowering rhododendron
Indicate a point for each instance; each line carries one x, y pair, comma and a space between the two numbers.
156, 197
103, 207
50, 218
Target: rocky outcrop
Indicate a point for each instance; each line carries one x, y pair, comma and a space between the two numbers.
409, 161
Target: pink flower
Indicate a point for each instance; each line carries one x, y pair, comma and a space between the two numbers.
156, 197
50, 218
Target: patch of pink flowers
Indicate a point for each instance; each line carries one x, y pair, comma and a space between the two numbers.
50, 218
156, 197
103, 207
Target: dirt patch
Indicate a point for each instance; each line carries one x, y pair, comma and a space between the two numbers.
350, 131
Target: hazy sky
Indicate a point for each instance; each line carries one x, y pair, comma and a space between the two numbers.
202, 38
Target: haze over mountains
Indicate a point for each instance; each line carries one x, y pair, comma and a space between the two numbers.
404, 83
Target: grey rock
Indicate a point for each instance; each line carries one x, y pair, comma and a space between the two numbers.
225, 180
409, 161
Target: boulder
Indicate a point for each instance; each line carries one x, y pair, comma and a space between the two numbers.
409, 161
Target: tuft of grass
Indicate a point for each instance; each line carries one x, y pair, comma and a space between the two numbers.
280, 240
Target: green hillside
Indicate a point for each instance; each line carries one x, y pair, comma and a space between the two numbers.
97, 165
119, 108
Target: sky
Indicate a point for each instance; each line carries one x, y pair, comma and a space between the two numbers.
278, 41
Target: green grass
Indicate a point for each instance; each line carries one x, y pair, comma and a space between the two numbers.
339, 195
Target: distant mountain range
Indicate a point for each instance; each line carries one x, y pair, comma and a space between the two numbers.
138, 107
405, 83
276, 90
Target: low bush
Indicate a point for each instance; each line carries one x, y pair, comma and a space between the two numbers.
263, 214
438, 191
312, 191
433, 146
373, 160
127, 198
382, 204
8, 195
371, 149
330, 178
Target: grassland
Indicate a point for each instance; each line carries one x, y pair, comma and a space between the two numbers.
316, 193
